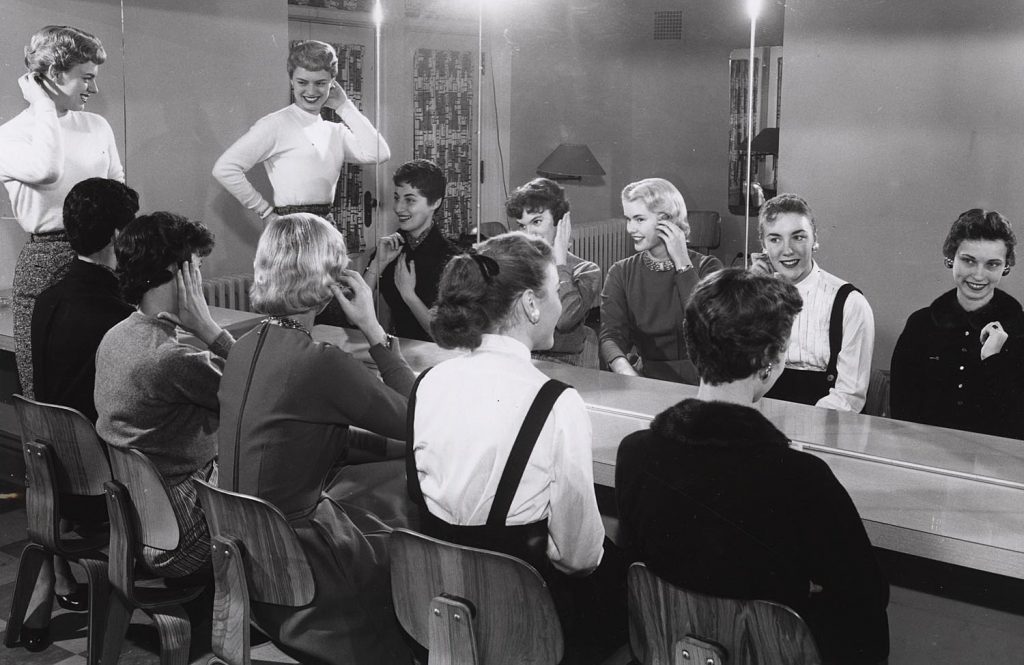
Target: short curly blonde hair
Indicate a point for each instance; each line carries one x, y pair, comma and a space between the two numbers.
297, 259
660, 197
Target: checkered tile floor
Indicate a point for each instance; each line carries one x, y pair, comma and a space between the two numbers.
68, 629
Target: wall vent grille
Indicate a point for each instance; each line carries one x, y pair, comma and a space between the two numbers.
668, 25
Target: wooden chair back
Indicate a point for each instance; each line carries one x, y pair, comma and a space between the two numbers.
276, 566
468, 605
665, 620
256, 556
123, 543
150, 510
705, 230
876, 403
82, 467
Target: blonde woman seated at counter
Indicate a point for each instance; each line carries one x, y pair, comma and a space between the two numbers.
960, 361
645, 295
541, 209
713, 499
828, 362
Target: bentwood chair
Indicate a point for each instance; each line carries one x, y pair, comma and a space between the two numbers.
141, 516
471, 606
64, 461
672, 626
256, 556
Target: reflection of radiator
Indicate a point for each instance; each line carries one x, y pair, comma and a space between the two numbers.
604, 242
230, 292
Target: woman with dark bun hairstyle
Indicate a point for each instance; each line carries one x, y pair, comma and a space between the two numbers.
502, 303
472, 418
713, 498
960, 361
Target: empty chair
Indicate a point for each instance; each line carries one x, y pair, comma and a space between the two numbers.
64, 462
257, 556
472, 606
705, 230
141, 516
665, 621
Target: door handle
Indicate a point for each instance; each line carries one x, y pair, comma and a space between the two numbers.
369, 203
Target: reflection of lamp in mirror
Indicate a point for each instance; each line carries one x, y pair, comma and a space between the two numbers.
570, 161
753, 10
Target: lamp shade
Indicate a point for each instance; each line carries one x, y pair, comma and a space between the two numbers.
766, 142
570, 160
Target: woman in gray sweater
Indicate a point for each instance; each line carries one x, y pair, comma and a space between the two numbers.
155, 393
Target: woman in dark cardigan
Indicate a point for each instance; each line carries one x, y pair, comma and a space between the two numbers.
713, 499
960, 361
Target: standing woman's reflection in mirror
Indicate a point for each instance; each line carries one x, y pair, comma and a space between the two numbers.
303, 153
960, 361
645, 295
44, 151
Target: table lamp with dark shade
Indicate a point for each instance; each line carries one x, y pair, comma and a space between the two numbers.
570, 161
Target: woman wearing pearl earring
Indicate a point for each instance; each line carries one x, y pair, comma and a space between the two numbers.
828, 363
960, 361
774, 523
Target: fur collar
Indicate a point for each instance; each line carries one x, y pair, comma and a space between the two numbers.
947, 313
697, 422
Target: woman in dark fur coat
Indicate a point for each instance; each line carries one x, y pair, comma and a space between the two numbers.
714, 500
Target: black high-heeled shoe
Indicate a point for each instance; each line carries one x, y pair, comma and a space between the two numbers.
77, 600
35, 639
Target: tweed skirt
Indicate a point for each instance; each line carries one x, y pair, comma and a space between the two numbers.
43, 261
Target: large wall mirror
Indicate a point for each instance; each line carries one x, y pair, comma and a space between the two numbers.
893, 117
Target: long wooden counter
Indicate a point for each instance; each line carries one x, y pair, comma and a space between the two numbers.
940, 494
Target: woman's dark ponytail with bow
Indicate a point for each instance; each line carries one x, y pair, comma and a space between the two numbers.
479, 289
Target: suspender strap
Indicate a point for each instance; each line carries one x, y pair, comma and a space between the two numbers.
522, 449
412, 479
835, 332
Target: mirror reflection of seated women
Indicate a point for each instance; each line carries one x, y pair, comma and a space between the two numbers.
959, 362
287, 405
644, 295
713, 499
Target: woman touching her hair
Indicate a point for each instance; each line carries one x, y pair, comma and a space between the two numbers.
645, 294
45, 151
287, 405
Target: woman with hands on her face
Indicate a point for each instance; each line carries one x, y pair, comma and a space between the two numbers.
287, 403
541, 209
959, 362
155, 393
645, 295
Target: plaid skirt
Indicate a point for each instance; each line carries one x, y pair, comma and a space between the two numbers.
43, 261
193, 551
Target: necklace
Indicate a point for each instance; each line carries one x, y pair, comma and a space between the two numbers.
654, 264
286, 322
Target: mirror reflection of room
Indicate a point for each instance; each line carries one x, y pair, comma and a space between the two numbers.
839, 148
